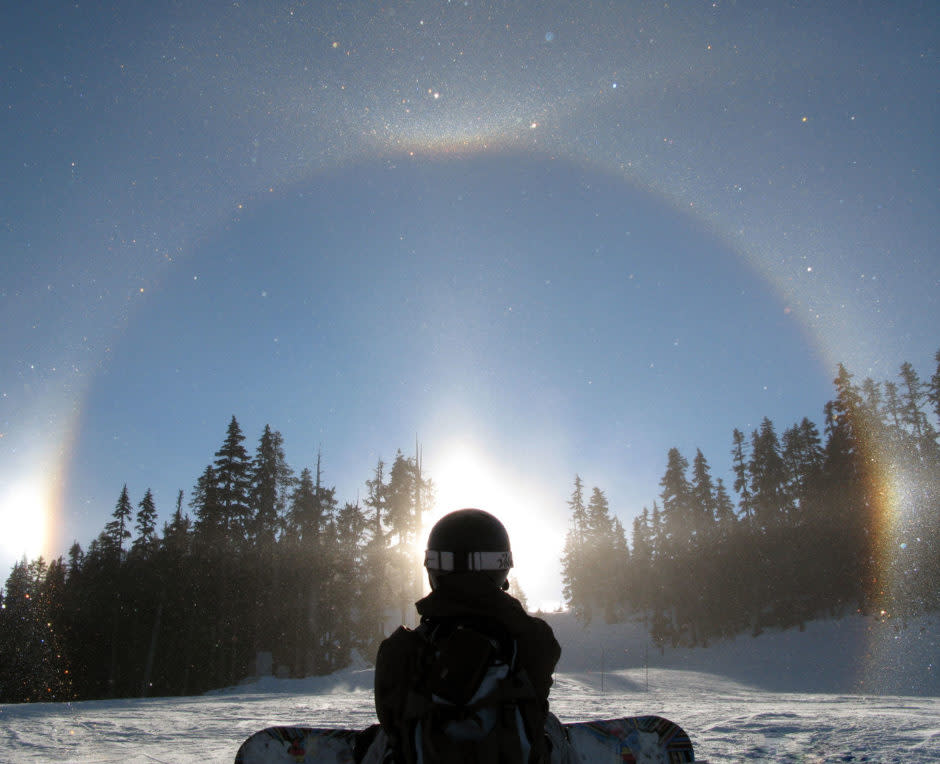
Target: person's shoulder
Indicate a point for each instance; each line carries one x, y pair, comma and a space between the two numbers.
539, 625
536, 619
400, 640
398, 653
514, 615
541, 633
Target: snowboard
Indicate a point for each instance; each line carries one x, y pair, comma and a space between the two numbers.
630, 740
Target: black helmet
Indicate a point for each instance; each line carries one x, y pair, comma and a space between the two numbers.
469, 540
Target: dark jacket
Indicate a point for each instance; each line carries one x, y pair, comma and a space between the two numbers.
462, 595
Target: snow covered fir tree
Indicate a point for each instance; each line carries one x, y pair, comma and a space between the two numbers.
264, 561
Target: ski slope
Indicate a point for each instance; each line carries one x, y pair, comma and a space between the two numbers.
728, 718
727, 721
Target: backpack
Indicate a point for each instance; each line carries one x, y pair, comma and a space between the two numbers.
472, 700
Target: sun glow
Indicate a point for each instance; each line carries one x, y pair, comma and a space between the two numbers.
464, 477
24, 512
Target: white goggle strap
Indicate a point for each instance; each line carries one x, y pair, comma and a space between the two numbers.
445, 561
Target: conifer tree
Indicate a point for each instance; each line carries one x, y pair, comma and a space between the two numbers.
351, 539
599, 522
271, 478
401, 513
704, 505
31, 661
641, 562
892, 407
642, 548
233, 483
724, 511
617, 599
844, 426
324, 581
116, 531
407, 495
933, 389
739, 466
146, 525
767, 477
377, 500
575, 558
178, 575
849, 480
656, 534
175, 532
57, 679
578, 519
207, 508
659, 624
913, 395
376, 562
802, 457
603, 571
76, 559
305, 515
676, 495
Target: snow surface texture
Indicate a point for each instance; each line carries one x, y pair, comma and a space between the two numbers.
736, 700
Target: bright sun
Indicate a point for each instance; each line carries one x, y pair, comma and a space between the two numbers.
464, 477
23, 518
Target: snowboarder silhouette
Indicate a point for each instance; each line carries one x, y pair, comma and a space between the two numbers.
478, 665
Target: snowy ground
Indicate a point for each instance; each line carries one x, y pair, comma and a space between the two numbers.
728, 719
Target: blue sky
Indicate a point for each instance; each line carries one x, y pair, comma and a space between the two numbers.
539, 242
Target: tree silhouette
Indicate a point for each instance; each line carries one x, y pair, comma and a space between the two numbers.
232, 485
146, 525
116, 532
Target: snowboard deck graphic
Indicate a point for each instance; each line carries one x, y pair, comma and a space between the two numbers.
630, 740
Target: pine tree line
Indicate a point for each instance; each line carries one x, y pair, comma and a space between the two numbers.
821, 524
268, 562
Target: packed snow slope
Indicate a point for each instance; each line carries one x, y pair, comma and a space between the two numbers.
846, 655
775, 698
